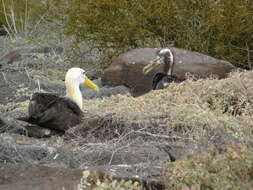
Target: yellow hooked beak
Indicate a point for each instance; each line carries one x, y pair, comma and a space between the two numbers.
90, 84
151, 66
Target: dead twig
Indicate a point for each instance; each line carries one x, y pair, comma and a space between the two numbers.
161, 136
248, 54
38, 81
28, 76
113, 153
4, 77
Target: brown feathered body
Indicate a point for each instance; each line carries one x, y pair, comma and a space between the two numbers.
53, 112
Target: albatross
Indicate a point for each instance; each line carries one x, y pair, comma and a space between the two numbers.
164, 57
60, 113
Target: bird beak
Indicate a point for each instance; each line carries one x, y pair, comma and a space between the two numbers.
152, 65
90, 84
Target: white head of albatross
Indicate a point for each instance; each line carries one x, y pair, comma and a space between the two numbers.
74, 77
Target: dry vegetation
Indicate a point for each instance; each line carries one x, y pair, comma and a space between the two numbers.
193, 107
225, 104
222, 29
187, 110
211, 170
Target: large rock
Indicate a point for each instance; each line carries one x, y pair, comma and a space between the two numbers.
126, 69
31, 177
8, 124
127, 162
17, 87
137, 155
19, 52
104, 91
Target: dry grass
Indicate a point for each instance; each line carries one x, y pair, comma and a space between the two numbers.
225, 104
191, 105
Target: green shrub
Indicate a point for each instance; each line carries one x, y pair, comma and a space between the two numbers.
90, 180
232, 169
222, 29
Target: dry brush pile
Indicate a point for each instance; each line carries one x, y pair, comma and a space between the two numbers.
196, 105
190, 114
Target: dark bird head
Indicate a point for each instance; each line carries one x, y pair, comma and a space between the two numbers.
164, 56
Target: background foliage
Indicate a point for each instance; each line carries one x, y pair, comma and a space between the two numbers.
222, 29
23, 16
16, 14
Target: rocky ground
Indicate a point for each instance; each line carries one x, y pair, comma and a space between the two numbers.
132, 138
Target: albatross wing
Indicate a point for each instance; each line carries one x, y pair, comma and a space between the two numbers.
50, 111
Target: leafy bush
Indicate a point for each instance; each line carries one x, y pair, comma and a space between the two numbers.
211, 170
222, 29
90, 180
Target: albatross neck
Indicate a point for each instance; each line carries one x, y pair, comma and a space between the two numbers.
166, 64
73, 92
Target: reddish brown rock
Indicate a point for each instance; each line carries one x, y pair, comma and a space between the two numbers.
28, 177
17, 53
126, 69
